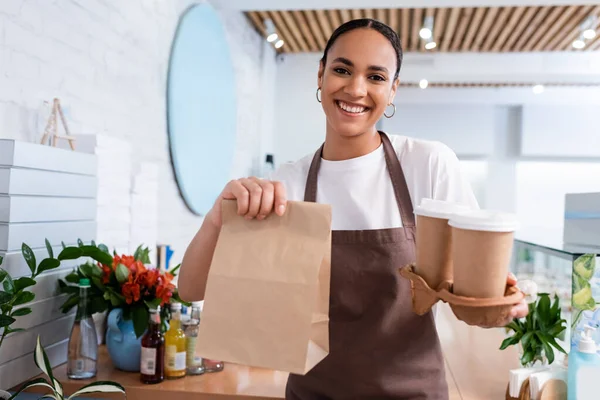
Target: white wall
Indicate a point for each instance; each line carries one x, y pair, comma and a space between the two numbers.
107, 61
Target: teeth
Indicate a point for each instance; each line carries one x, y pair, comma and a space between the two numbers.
351, 109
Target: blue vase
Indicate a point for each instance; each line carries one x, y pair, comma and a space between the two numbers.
122, 345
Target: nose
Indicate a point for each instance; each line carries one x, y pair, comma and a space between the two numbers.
356, 87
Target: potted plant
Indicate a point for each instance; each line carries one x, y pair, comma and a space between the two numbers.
15, 293
127, 287
41, 360
538, 332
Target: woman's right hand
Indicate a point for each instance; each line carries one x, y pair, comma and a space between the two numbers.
256, 198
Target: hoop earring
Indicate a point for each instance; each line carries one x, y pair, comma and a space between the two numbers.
318, 98
394, 113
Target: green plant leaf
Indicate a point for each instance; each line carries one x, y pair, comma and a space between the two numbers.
174, 270
585, 266
70, 253
71, 302
543, 311
90, 270
5, 321
64, 246
1, 260
63, 288
23, 283
140, 320
509, 341
47, 264
21, 312
552, 341
122, 273
527, 357
101, 257
5, 297
103, 248
23, 297
41, 360
526, 340
98, 304
549, 352
49, 249
98, 283
3, 274
116, 300
29, 257
9, 284
93, 243
30, 384
73, 277
80, 243
152, 304
99, 386
514, 325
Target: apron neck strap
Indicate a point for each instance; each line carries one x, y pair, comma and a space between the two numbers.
396, 175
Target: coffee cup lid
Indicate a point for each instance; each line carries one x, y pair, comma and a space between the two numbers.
439, 208
485, 220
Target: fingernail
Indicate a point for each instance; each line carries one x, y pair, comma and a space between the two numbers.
510, 274
260, 217
280, 209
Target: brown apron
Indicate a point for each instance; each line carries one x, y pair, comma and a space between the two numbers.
379, 348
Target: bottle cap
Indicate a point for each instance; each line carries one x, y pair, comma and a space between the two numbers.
586, 343
84, 282
175, 306
197, 304
154, 309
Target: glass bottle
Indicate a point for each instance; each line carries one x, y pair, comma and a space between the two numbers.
175, 354
152, 366
210, 365
83, 341
194, 363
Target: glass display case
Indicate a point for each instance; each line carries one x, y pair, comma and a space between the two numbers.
569, 271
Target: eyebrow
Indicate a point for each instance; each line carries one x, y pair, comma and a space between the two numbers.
349, 63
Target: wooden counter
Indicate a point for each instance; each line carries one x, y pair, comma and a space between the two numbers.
475, 370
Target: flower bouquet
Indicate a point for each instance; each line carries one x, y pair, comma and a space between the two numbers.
122, 281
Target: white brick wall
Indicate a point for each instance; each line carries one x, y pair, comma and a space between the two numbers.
107, 61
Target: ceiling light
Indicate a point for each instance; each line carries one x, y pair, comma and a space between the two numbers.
589, 34
272, 37
270, 31
579, 44
537, 89
423, 84
588, 27
279, 44
430, 45
427, 30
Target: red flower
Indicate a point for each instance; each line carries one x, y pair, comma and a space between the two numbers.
131, 291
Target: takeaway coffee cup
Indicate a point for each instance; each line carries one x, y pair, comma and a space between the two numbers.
482, 243
434, 240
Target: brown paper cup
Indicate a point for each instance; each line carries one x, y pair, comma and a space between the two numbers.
482, 243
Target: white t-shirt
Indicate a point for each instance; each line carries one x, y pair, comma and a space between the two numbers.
360, 190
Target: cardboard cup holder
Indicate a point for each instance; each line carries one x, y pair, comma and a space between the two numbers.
471, 310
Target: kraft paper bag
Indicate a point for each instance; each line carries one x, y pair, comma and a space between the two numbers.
267, 295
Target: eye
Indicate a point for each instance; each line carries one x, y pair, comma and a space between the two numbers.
378, 78
340, 70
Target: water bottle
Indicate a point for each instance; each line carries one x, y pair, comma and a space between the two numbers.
83, 342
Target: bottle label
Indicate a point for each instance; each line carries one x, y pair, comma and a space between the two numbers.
175, 360
148, 361
587, 378
191, 350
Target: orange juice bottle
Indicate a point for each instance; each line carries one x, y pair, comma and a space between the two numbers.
175, 346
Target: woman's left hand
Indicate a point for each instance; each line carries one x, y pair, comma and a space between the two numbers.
519, 310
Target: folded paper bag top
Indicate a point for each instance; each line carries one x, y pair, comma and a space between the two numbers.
267, 295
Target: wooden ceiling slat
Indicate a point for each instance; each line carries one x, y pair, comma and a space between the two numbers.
324, 23
368, 13
356, 14
485, 28
532, 27
439, 25
594, 44
293, 27
405, 29
450, 27
304, 28
570, 32
393, 19
334, 18
548, 22
381, 15
556, 27
516, 33
316, 30
417, 23
257, 22
473, 26
283, 31
462, 25
345, 15
498, 25
508, 28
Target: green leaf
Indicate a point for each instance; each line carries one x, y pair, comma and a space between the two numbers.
69, 289
32, 383
41, 360
99, 386
152, 304
98, 283
98, 304
509, 341
101, 257
549, 352
47, 264
49, 248
526, 340
543, 311
69, 304
80, 243
23, 283
140, 320
115, 300
527, 357
9, 284
103, 248
5, 320
21, 312
552, 341
5, 297
1, 260
514, 325
70, 253
122, 273
64, 246
585, 266
93, 242
29, 257
23, 297
174, 270
3, 274
90, 270
73, 277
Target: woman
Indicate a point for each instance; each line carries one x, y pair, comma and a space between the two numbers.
379, 348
